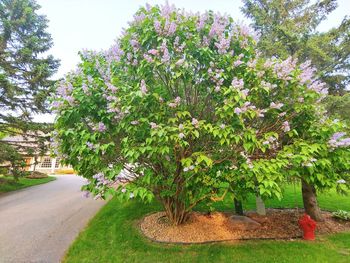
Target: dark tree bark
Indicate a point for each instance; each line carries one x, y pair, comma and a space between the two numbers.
310, 201
238, 206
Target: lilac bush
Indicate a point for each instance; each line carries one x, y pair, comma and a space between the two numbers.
183, 108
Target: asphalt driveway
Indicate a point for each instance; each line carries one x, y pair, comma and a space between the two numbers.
38, 224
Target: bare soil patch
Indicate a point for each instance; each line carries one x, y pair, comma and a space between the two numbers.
201, 228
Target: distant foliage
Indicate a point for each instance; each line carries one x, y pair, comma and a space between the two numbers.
290, 28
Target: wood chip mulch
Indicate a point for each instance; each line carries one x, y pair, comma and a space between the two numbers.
202, 228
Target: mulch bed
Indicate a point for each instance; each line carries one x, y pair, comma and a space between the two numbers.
203, 228
37, 175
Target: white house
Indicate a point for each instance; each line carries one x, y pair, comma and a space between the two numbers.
35, 160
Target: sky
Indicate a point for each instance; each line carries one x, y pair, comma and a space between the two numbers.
94, 24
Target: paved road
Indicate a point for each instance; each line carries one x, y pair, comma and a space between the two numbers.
39, 223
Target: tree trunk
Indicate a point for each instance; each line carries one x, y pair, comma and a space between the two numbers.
238, 207
310, 201
35, 163
175, 211
260, 206
14, 171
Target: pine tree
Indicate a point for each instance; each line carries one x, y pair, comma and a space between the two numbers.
25, 68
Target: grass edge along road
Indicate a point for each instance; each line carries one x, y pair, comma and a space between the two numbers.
11, 185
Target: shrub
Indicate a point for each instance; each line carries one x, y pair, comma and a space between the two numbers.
341, 214
37, 175
183, 108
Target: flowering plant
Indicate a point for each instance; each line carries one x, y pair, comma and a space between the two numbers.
182, 108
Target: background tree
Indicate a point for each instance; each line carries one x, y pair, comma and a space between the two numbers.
25, 70
12, 161
338, 106
289, 28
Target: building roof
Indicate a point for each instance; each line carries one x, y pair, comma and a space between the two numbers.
28, 143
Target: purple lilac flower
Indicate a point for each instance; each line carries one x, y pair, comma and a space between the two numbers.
176, 102
195, 122
285, 126
244, 30
167, 9
344, 142
115, 52
135, 44
169, 28
223, 45
251, 63
143, 87
237, 83
153, 125
268, 64
157, 27
153, 52
134, 122
111, 88
260, 74
139, 18
283, 69
101, 127
148, 58
261, 113
85, 88
181, 135
245, 92
276, 105
90, 145
166, 55
217, 28
180, 62
237, 111
282, 114
237, 63
86, 194
201, 21
101, 180
318, 87
337, 135
307, 72
205, 41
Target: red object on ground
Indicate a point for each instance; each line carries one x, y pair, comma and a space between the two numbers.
308, 225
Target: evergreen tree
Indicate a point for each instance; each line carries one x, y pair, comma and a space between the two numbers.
25, 69
289, 28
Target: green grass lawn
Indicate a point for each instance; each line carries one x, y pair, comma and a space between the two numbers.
7, 184
112, 236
